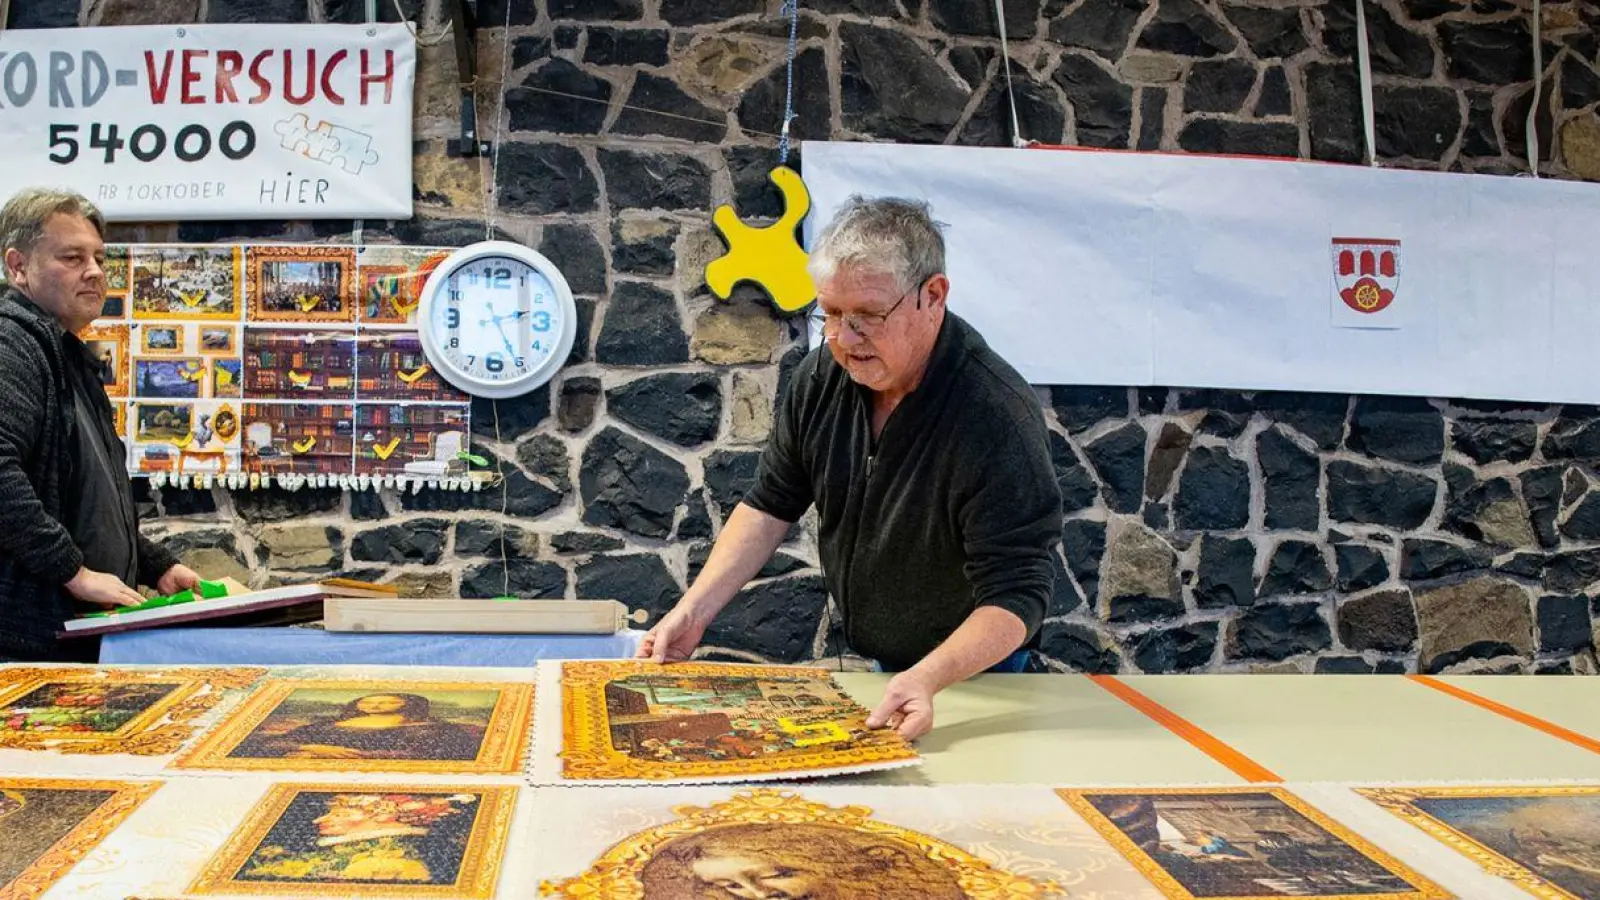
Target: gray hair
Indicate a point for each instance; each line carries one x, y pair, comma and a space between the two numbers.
887, 235
25, 214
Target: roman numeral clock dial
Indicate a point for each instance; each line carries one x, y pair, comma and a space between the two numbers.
497, 319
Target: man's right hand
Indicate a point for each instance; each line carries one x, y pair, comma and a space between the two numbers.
674, 637
102, 589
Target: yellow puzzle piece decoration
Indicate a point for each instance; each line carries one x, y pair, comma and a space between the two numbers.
412, 376
823, 732
305, 444
192, 299
772, 256
299, 379
384, 451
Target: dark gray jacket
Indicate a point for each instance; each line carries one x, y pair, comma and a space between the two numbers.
953, 507
38, 482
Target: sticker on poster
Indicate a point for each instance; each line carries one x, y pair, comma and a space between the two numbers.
1366, 290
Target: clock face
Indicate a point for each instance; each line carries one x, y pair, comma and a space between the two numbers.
496, 324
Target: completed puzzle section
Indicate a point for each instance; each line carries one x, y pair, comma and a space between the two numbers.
276, 360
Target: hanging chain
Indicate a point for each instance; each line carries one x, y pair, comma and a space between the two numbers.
791, 8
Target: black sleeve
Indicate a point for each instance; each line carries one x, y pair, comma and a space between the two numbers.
1010, 520
783, 487
39, 543
154, 560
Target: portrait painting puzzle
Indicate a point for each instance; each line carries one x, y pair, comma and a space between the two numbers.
822, 842
70, 710
1544, 839
638, 722
1228, 843
346, 840
48, 825
458, 727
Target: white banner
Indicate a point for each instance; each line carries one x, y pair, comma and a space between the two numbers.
1168, 269
163, 123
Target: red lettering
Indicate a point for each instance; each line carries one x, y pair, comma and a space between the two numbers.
229, 64
327, 77
158, 83
191, 76
288, 78
386, 79
263, 86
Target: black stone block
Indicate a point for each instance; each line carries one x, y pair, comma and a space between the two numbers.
1219, 85
584, 542
1225, 575
657, 106
1564, 624
1078, 488
891, 87
1290, 477
1186, 28
1273, 631
1103, 27
1378, 496
1423, 560
1213, 492
682, 407
1497, 53
762, 105
644, 180
1491, 441
1240, 138
702, 12
418, 541
1118, 457
1394, 48
1079, 649
1404, 429
637, 580
627, 484
1271, 33
1360, 567
977, 18
1080, 408
1418, 122
777, 620
1102, 105
545, 179
1182, 649
1083, 543
642, 328
525, 578
1296, 567
1333, 97
560, 97
626, 47
582, 261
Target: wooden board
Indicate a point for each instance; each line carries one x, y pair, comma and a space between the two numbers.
413, 616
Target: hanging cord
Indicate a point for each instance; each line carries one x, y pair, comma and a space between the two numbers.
1364, 66
1011, 92
791, 8
1538, 83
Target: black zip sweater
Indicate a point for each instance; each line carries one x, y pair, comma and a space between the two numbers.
955, 506
38, 482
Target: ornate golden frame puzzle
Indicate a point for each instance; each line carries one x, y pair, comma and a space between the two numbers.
141, 713
1550, 848
362, 840
1294, 846
873, 858
455, 727
16, 794
705, 721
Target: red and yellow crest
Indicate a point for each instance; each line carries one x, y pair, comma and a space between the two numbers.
1366, 272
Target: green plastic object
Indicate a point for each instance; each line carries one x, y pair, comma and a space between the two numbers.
506, 597
209, 590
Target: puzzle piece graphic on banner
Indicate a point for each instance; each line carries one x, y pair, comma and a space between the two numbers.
327, 143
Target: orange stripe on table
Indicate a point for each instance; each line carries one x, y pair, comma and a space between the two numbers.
1515, 715
1237, 762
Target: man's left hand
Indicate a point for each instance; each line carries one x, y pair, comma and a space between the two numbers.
178, 578
907, 706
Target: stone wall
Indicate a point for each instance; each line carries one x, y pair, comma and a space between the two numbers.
1208, 530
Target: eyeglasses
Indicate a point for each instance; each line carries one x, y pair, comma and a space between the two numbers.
865, 325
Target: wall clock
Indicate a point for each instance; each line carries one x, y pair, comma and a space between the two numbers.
497, 319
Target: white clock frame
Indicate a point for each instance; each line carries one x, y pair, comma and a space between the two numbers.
460, 260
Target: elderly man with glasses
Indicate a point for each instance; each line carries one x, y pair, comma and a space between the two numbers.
928, 460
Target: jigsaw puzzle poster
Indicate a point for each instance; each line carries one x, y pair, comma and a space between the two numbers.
216, 121
276, 360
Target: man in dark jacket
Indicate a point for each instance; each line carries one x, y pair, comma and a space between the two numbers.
69, 530
927, 458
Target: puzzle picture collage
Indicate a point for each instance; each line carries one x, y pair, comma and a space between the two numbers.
275, 360
620, 779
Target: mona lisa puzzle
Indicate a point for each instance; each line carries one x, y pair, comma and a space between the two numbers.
372, 726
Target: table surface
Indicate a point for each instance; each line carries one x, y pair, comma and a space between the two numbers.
1368, 728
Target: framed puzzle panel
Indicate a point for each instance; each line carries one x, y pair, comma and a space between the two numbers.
48, 825
372, 726
1244, 843
109, 711
346, 840
633, 721
314, 329
1545, 839
821, 841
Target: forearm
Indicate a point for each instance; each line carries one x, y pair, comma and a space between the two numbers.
988, 636
747, 541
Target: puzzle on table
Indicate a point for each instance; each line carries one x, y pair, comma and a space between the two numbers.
1244, 843
1545, 839
861, 844
48, 825
372, 726
636, 721
109, 711
277, 360
345, 840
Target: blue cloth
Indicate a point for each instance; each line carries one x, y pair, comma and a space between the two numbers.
310, 646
